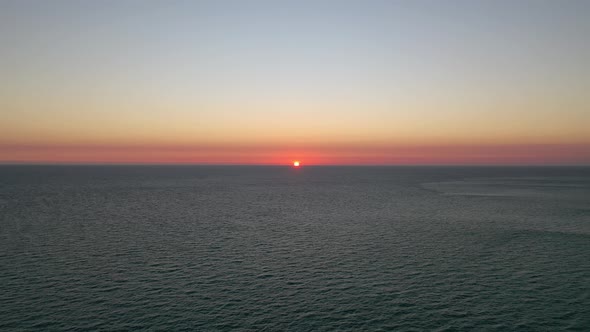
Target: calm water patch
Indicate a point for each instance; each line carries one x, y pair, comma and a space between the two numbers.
284, 249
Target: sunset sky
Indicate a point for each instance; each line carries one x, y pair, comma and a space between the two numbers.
269, 82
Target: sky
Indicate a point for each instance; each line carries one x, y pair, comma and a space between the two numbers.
269, 82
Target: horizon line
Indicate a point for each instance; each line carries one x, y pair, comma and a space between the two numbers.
17, 163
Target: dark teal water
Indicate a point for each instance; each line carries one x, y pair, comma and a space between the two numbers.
282, 249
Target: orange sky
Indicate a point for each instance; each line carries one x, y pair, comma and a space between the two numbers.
311, 155
365, 82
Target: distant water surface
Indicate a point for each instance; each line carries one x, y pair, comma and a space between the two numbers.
281, 249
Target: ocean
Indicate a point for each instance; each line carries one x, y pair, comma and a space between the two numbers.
269, 248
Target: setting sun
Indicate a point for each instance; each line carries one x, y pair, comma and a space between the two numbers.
296, 163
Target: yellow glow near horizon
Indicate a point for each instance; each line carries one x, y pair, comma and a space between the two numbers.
205, 84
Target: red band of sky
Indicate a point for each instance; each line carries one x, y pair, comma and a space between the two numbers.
531, 154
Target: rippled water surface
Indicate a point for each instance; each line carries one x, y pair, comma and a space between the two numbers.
282, 249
